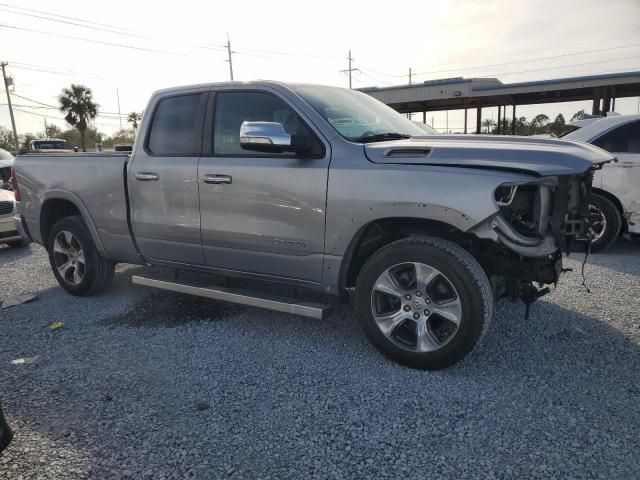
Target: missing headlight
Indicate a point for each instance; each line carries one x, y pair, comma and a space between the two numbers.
504, 194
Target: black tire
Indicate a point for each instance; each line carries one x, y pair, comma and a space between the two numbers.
462, 271
613, 222
98, 272
18, 243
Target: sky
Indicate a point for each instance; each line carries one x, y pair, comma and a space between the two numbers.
128, 49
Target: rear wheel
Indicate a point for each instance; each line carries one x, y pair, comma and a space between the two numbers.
424, 302
605, 222
75, 260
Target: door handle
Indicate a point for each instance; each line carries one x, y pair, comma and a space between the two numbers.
147, 176
216, 179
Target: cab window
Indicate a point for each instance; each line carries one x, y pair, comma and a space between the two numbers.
233, 108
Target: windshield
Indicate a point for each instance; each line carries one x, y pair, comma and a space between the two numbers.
357, 116
569, 129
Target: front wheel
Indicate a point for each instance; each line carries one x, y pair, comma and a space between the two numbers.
75, 260
606, 222
424, 302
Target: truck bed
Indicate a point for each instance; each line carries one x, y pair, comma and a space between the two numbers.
94, 182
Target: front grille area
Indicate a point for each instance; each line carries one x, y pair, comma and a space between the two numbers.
6, 207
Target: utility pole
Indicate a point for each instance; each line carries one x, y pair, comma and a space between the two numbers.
119, 114
46, 135
410, 75
229, 52
6, 87
350, 69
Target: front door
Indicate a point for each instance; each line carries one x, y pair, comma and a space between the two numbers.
262, 213
164, 183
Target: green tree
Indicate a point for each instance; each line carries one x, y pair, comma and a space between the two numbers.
558, 126
488, 123
121, 136
53, 131
6, 139
73, 138
539, 124
79, 108
25, 139
522, 127
579, 115
133, 118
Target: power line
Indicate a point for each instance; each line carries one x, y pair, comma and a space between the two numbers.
544, 68
504, 63
100, 42
48, 105
566, 66
62, 16
92, 25
293, 54
60, 72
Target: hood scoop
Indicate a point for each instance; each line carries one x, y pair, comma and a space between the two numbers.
407, 152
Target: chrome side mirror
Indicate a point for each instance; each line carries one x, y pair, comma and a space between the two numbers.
268, 137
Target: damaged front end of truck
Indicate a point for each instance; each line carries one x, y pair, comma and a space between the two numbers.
521, 246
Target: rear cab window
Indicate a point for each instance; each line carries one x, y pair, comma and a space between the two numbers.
176, 126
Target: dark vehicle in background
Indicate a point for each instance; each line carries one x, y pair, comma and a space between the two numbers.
48, 145
123, 147
5, 432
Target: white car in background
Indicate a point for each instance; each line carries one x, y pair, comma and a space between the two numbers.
8, 233
616, 188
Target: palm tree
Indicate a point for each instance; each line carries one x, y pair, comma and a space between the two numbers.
488, 123
133, 118
78, 105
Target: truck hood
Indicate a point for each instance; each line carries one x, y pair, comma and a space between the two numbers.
536, 156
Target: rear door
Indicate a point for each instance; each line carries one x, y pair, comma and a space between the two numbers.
267, 215
623, 177
163, 179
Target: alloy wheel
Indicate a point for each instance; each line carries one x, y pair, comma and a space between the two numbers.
68, 257
416, 307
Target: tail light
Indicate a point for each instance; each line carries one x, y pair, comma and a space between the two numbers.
14, 182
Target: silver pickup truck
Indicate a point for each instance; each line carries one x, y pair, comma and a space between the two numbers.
324, 188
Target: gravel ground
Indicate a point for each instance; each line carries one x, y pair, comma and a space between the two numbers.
143, 384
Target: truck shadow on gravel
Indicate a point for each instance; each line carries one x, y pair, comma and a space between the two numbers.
166, 310
13, 254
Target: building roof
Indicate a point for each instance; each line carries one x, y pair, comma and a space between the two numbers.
459, 92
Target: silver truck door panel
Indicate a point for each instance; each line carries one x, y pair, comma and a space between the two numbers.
261, 213
163, 181
269, 220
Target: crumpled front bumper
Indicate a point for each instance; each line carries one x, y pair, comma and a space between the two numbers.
8, 231
633, 222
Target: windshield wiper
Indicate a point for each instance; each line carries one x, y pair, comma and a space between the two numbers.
379, 137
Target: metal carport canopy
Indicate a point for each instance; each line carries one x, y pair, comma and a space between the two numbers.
459, 93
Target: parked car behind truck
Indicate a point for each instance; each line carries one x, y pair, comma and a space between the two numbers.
616, 188
323, 188
9, 235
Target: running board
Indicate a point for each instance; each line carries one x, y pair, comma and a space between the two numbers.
242, 297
